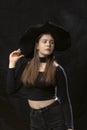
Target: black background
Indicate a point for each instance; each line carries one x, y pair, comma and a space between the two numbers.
15, 17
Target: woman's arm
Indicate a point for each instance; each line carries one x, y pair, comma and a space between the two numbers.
63, 95
10, 82
13, 74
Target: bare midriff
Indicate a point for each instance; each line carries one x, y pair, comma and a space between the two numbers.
40, 104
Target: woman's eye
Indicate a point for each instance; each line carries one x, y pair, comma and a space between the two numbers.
52, 42
44, 41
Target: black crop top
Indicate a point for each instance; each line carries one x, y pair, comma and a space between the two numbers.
41, 91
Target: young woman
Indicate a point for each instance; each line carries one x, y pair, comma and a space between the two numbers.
41, 80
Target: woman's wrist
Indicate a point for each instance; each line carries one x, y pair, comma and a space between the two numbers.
11, 65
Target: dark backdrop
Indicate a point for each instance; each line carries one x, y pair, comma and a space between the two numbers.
15, 17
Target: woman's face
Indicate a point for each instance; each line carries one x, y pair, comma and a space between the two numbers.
45, 46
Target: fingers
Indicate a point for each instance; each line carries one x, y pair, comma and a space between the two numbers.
16, 52
21, 56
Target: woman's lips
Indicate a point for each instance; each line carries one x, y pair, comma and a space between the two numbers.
48, 49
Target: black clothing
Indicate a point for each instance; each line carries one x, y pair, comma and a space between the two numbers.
43, 59
41, 91
48, 118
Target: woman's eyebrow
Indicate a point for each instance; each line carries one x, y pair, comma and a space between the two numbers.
47, 39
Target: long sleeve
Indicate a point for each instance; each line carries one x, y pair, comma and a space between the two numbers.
63, 95
14, 75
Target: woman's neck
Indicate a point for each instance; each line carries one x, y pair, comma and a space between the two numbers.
43, 59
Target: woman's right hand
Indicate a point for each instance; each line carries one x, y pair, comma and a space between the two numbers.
14, 57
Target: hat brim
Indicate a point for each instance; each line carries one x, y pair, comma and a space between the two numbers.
61, 37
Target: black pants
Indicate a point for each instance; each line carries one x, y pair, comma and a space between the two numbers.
48, 118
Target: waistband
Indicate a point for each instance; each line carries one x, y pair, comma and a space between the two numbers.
55, 103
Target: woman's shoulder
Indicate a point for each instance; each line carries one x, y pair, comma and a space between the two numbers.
60, 71
59, 68
57, 65
21, 64
22, 61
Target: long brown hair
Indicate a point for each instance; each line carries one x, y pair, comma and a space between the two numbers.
32, 69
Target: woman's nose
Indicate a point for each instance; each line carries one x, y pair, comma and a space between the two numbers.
48, 43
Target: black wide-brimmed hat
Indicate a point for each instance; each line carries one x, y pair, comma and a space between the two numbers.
61, 37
